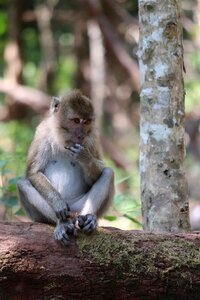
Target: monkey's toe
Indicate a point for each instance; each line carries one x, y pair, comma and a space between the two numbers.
61, 235
87, 223
70, 228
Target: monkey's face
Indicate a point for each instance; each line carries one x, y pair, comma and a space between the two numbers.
75, 118
76, 129
80, 128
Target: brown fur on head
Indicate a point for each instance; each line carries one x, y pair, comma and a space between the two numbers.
79, 103
75, 117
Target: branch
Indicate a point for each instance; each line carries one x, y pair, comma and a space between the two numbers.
111, 264
113, 43
58, 16
36, 99
117, 9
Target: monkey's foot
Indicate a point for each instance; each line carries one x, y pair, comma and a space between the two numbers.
87, 223
64, 214
62, 232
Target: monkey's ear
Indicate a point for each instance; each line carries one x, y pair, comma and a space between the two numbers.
55, 103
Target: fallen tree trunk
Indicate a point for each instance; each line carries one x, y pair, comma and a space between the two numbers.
110, 264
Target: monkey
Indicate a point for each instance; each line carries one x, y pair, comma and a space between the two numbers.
66, 183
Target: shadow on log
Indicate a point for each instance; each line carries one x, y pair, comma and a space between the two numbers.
110, 264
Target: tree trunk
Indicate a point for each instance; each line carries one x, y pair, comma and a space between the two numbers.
97, 69
14, 60
163, 183
44, 13
110, 264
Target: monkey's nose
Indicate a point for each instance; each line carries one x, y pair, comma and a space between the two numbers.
80, 137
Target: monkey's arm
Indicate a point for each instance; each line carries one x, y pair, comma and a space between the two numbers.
37, 160
51, 195
89, 160
97, 200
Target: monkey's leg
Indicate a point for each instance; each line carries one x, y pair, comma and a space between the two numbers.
34, 204
96, 201
39, 211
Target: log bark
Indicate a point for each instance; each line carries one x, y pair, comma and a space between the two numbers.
110, 264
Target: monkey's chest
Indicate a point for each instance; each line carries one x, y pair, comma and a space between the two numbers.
67, 177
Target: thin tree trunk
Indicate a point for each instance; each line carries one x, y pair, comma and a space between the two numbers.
82, 78
44, 14
163, 183
109, 265
14, 61
97, 68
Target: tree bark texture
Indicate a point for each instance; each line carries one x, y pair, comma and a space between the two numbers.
109, 264
163, 183
13, 56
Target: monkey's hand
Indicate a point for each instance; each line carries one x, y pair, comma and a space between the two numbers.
80, 153
63, 230
87, 223
63, 215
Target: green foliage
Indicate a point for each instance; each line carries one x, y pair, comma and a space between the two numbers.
192, 95
66, 70
3, 22
32, 50
8, 192
126, 204
15, 138
192, 83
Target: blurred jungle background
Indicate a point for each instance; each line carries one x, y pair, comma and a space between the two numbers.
47, 47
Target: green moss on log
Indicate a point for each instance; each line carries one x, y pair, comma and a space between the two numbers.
151, 254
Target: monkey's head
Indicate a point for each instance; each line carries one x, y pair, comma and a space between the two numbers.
74, 113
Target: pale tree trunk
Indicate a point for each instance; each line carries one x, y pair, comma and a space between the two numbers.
14, 61
163, 182
97, 67
44, 13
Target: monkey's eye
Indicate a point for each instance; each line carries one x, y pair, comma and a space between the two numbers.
76, 120
87, 121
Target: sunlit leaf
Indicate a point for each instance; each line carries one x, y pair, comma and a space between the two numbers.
20, 212
110, 218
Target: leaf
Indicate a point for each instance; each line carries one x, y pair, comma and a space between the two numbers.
10, 201
132, 219
119, 198
3, 164
110, 218
13, 180
20, 212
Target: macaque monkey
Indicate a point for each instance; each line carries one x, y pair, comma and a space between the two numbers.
66, 181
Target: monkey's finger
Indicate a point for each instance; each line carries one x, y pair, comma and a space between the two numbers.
63, 215
65, 240
61, 237
89, 228
78, 146
69, 228
81, 220
75, 150
71, 150
90, 218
